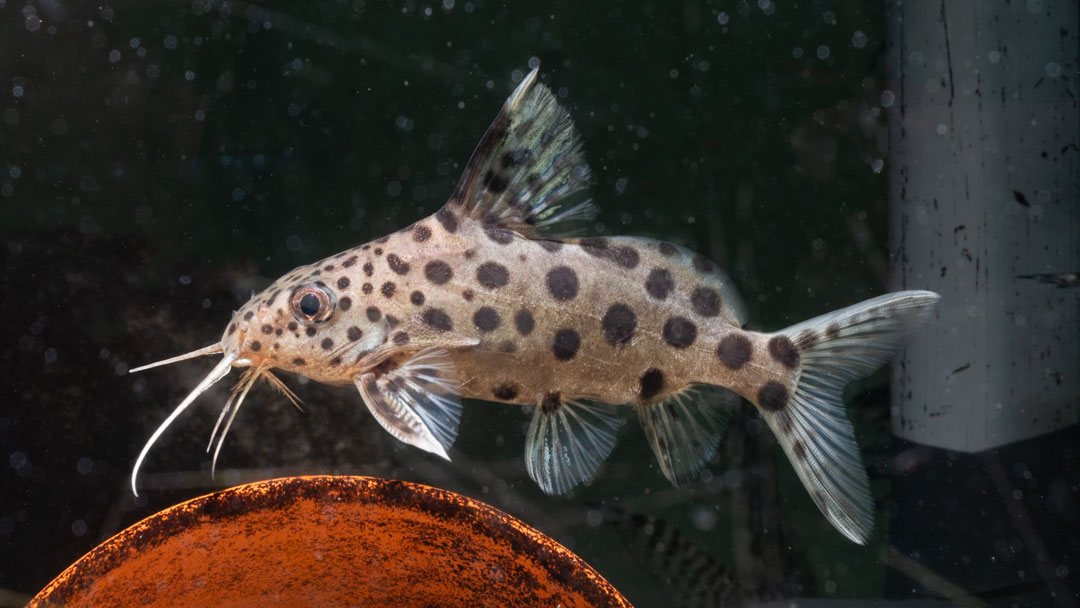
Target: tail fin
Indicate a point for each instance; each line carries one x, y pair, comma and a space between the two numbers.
832, 350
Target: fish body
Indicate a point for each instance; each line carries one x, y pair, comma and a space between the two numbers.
493, 298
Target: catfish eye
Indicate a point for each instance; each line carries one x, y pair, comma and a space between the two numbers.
313, 302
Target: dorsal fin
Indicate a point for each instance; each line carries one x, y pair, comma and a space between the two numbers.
528, 173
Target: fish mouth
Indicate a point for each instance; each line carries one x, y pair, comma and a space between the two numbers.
255, 371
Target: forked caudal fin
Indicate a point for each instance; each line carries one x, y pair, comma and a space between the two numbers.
831, 351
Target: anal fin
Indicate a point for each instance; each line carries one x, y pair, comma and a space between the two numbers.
568, 441
685, 429
418, 403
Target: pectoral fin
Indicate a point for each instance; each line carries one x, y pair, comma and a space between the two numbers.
419, 402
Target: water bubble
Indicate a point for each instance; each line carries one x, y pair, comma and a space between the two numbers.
797, 52
185, 279
620, 185
114, 56
1053, 70
17, 91
405, 123
200, 115
189, 75
723, 18
84, 466
941, 129
823, 52
858, 39
993, 56
170, 42
393, 188
14, 172
674, 73
78, 527
133, 43
447, 4
887, 98
17, 460
50, 355
293, 242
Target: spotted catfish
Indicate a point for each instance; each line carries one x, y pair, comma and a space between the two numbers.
492, 298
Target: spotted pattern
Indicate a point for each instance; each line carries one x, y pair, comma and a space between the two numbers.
401, 338
505, 392
832, 332
524, 322
268, 329
367, 289
421, 233
369, 268
327, 344
492, 275
680, 332
551, 246
668, 249
562, 283
447, 219
782, 350
652, 382
772, 396
619, 323
310, 331
551, 402
705, 301
703, 263
623, 255
486, 319
659, 283
566, 344
734, 351
498, 234
373, 313
354, 333
388, 288
417, 298
345, 303
299, 361
438, 272
255, 345
349, 262
343, 283
397, 264
438, 319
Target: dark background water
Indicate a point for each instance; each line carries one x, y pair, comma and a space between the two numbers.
158, 161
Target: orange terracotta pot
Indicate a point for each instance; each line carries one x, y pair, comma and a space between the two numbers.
330, 541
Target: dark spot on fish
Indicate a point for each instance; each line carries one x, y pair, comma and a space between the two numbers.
468, 295
396, 264
388, 289
469, 254
551, 246
566, 344
349, 262
345, 303
596, 247
401, 338
369, 268
668, 249
832, 332
798, 449
292, 326
705, 301
551, 402
524, 322
373, 313
256, 345
562, 282
505, 392
437, 319
343, 283
514, 158
807, 339
354, 333
327, 344
367, 288
652, 382
627, 257
391, 320
267, 329
277, 332
421, 233
365, 247
782, 350
378, 251
310, 331
495, 183
381, 240
498, 234
659, 283
438, 272
619, 323
299, 361
248, 315
329, 268
486, 319
680, 332
232, 329
773, 396
447, 219
507, 346
335, 361
417, 298
492, 275
703, 263
734, 351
